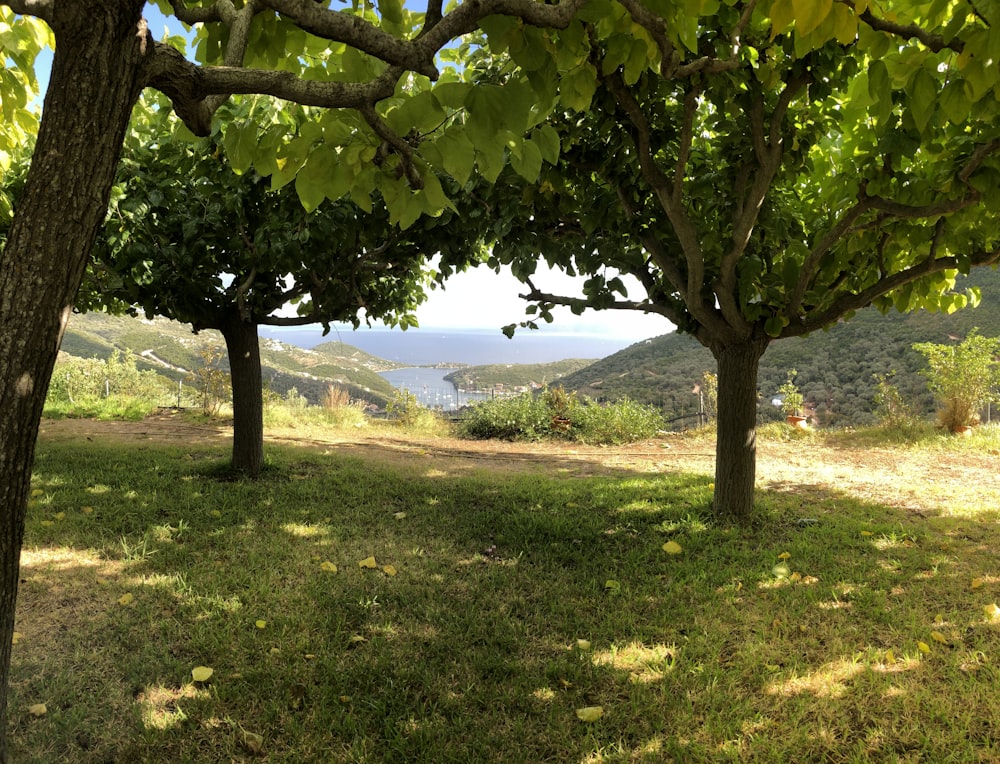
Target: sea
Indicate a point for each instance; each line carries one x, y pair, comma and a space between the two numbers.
427, 353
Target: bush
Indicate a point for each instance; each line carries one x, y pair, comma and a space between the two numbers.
557, 414
961, 376
891, 410
405, 410
520, 417
623, 422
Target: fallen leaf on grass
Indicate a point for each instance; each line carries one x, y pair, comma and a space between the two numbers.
201, 673
345, 699
368, 562
976, 583
38, 492
400, 515
583, 644
780, 570
126, 599
59, 515
612, 586
784, 556
890, 656
389, 570
672, 547
937, 636
356, 639
589, 713
17, 638
923, 647
87, 510
260, 623
253, 742
328, 566
38, 709
992, 611
867, 534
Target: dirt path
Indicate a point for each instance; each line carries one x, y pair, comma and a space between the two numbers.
920, 480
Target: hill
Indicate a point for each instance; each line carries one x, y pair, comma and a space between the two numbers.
173, 350
836, 366
514, 376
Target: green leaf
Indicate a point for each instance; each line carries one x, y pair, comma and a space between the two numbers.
529, 163
458, 154
782, 16
955, 103
809, 14
923, 96
313, 179
547, 140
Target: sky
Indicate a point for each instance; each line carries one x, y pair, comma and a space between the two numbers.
481, 299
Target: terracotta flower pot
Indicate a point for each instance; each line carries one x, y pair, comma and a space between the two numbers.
798, 422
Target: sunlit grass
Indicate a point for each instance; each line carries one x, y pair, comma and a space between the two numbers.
489, 618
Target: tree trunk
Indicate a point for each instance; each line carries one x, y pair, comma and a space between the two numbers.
736, 429
93, 85
248, 398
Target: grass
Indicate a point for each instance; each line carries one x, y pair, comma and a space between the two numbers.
798, 639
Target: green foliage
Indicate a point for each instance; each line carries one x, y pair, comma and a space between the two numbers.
624, 421
962, 376
211, 381
791, 396
110, 389
558, 414
892, 410
406, 411
518, 417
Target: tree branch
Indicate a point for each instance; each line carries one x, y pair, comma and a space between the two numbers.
340, 26
935, 42
536, 295
686, 137
41, 9
851, 302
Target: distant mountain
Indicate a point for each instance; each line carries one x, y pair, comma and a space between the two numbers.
173, 350
835, 367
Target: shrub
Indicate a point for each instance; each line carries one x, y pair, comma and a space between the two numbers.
519, 417
557, 414
212, 381
891, 410
961, 377
791, 396
405, 410
622, 422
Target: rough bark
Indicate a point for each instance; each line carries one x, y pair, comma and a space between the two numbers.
736, 430
93, 86
243, 348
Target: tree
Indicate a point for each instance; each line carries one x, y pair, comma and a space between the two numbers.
189, 239
371, 70
764, 170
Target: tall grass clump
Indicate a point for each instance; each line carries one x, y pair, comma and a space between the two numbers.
558, 414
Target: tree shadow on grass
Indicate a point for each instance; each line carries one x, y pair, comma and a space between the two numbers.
495, 607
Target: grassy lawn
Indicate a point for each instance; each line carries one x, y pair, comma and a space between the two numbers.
500, 603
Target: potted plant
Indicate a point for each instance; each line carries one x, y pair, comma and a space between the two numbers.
791, 401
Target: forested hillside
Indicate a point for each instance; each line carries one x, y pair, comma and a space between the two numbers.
836, 367
171, 349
